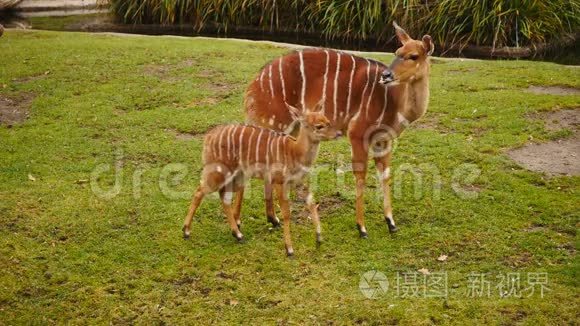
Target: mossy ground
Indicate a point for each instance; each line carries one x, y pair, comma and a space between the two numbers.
69, 255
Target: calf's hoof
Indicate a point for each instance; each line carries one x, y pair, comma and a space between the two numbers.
362, 232
239, 237
185, 233
290, 252
318, 240
274, 220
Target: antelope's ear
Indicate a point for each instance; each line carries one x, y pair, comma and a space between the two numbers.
401, 34
428, 44
294, 112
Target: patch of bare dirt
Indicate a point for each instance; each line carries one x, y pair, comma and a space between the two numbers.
569, 119
430, 121
462, 70
553, 158
185, 135
535, 228
206, 73
221, 88
553, 90
15, 109
206, 101
27, 79
330, 203
160, 71
559, 157
520, 259
188, 63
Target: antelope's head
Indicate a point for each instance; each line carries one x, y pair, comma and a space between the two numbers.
314, 123
411, 60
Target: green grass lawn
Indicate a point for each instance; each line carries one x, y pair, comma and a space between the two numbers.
72, 254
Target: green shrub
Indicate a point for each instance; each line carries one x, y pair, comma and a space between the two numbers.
496, 23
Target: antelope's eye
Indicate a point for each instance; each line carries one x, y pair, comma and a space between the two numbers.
414, 56
318, 127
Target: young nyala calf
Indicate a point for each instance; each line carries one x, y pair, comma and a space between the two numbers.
234, 153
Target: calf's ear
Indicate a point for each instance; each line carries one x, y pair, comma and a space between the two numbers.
294, 112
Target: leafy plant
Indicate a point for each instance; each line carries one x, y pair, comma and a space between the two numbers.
495, 23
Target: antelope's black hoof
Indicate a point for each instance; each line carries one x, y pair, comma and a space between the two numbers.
290, 254
391, 225
362, 233
318, 240
185, 235
238, 237
275, 222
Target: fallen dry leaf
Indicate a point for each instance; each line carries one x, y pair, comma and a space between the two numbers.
31, 178
233, 302
442, 258
424, 271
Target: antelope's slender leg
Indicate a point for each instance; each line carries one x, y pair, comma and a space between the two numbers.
195, 201
238, 207
359, 168
270, 211
313, 208
226, 197
383, 163
282, 193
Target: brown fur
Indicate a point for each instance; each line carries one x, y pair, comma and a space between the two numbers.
234, 153
359, 110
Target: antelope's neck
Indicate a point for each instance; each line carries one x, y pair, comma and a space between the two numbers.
305, 149
417, 99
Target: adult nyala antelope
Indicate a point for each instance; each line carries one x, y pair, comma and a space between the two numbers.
367, 100
234, 153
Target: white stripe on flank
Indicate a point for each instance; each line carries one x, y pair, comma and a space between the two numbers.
249, 146
228, 135
233, 141
271, 85
284, 148
258, 145
220, 141
267, 152
350, 86
362, 97
336, 84
372, 89
325, 81
262, 80
241, 144
384, 107
303, 92
278, 149
282, 78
